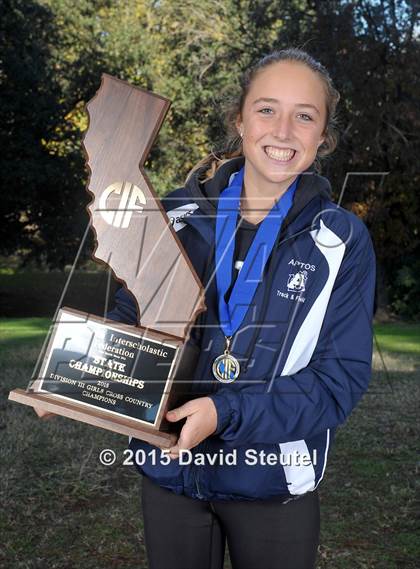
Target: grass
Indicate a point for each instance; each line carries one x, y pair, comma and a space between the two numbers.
399, 338
21, 331
61, 509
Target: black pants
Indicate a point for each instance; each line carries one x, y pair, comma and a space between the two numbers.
184, 533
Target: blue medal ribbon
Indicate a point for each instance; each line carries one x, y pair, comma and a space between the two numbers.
232, 313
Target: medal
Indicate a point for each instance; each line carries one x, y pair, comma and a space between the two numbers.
226, 367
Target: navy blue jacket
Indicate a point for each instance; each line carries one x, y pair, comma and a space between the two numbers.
305, 345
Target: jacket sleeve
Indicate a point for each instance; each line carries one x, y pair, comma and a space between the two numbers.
323, 394
124, 309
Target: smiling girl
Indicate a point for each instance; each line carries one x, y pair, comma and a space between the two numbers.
285, 344
281, 123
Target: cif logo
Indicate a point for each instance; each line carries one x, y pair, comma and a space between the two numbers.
226, 368
131, 198
297, 281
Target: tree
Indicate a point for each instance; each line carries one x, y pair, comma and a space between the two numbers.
193, 53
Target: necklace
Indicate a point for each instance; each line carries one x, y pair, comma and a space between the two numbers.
226, 367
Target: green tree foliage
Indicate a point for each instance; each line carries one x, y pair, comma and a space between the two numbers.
41, 164
30, 104
54, 51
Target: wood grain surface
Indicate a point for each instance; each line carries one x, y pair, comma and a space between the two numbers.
133, 233
95, 417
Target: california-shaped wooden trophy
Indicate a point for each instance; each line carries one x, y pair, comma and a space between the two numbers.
119, 377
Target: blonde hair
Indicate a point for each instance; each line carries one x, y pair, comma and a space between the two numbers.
233, 142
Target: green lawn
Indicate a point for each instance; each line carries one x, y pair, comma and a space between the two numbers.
19, 331
62, 509
399, 338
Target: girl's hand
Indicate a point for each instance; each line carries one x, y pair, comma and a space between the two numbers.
201, 422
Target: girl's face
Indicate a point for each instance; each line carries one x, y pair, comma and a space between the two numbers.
282, 123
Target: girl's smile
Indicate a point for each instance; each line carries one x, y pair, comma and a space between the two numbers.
281, 155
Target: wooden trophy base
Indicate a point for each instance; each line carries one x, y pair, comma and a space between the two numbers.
95, 417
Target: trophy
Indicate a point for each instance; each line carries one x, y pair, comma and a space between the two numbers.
122, 377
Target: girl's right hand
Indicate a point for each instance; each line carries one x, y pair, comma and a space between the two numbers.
42, 414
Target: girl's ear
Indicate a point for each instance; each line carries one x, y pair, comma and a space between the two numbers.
238, 124
323, 137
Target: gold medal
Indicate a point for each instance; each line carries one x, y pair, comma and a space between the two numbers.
226, 367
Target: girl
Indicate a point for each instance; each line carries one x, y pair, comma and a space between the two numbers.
285, 343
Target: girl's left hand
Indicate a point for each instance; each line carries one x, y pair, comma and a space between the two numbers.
201, 422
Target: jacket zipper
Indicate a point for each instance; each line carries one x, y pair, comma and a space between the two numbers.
199, 495
270, 277
196, 477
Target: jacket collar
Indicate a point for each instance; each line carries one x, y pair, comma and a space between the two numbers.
312, 187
